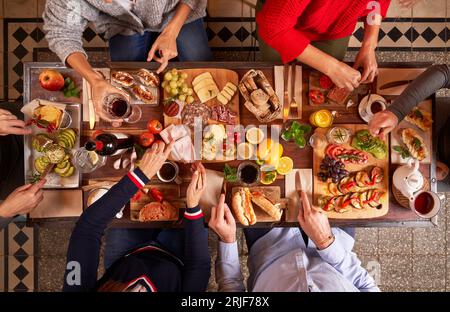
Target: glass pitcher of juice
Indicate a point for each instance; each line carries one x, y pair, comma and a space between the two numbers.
322, 118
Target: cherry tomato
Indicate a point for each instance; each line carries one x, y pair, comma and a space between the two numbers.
137, 196
316, 96
154, 126
325, 82
156, 194
146, 139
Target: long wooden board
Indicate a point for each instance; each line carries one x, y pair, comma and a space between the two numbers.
221, 77
321, 188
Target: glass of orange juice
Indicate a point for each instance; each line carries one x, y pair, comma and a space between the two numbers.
322, 118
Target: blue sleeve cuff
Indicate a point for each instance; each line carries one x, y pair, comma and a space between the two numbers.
193, 213
333, 254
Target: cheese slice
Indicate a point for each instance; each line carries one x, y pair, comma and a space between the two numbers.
226, 95
229, 91
222, 99
207, 93
204, 83
200, 77
231, 86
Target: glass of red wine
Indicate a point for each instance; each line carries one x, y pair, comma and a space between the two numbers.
116, 106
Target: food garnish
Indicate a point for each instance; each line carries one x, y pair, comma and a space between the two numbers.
230, 173
364, 141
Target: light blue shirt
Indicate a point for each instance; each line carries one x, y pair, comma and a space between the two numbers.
280, 261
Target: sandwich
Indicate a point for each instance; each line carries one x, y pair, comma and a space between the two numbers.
420, 118
48, 115
415, 144
242, 207
259, 199
155, 211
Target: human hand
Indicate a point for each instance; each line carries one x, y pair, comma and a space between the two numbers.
196, 186
366, 59
343, 76
222, 221
155, 157
382, 123
314, 223
166, 46
9, 124
101, 89
22, 200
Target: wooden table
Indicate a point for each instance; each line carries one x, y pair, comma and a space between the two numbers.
397, 216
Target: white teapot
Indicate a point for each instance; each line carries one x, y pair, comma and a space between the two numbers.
408, 179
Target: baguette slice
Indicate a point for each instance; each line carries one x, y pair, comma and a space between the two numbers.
415, 144
261, 201
243, 208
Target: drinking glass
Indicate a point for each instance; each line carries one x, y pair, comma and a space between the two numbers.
117, 107
88, 161
317, 140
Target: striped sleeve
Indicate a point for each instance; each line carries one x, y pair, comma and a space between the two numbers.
138, 178
193, 213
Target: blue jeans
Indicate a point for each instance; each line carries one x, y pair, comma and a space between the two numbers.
192, 45
120, 241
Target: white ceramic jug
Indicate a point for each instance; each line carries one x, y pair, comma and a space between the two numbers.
408, 179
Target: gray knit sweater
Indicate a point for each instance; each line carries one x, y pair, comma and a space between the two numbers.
65, 20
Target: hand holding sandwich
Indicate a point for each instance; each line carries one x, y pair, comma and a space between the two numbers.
197, 185
314, 223
222, 221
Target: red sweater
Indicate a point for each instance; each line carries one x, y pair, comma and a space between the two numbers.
289, 26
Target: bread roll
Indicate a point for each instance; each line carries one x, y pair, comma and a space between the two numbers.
261, 201
259, 97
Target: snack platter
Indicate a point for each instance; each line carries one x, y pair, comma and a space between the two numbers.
70, 141
366, 179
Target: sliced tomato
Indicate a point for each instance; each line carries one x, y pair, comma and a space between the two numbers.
156, 194
137, 196
325, 82
316, 96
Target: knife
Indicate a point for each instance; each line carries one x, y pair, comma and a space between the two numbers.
46, 171
298, 183
91, 108
286, 103
393, 84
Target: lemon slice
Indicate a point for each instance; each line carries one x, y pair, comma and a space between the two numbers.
268, 177
93, 156
245, 151
254, 135
285, 165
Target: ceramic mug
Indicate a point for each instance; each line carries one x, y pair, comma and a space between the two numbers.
173, 177
431, 199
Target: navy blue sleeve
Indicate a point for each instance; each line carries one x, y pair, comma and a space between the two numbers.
197, 261
85, 242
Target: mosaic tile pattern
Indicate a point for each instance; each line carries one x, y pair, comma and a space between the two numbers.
17, 261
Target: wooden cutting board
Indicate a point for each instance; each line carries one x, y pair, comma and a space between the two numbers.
273, 193
386, 75
427, 136
321, 188
171, 193
221, 77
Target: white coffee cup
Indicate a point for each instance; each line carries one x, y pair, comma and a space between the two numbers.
173, 178
437, 202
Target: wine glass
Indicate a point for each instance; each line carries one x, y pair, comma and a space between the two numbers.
116, 106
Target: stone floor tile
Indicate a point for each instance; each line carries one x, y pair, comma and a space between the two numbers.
54, 241
51, 272
396, 271
428, 272
392, 241
429, 240
366, 241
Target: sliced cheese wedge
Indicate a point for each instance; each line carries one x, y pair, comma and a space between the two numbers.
204, 83
207, 93
231, 86
222, 99
226, 95
229, 91
201, 77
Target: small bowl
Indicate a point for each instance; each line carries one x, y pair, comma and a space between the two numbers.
242, 166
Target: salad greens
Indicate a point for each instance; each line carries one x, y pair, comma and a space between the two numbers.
230, 173
364, 141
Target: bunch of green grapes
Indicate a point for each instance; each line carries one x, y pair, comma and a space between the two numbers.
175, 84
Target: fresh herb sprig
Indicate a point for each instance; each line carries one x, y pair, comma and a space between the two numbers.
230, 173
403, 151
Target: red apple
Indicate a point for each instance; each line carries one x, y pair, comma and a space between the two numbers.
51, 80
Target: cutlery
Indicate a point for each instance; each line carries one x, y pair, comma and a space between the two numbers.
286, 95
90, 107
393, 84
293, 102
298, 182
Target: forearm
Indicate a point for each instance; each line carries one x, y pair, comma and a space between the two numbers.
370, 40
85, 242
80, 64
181, 14
228, 268
317, 59
197, 260
434, 78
